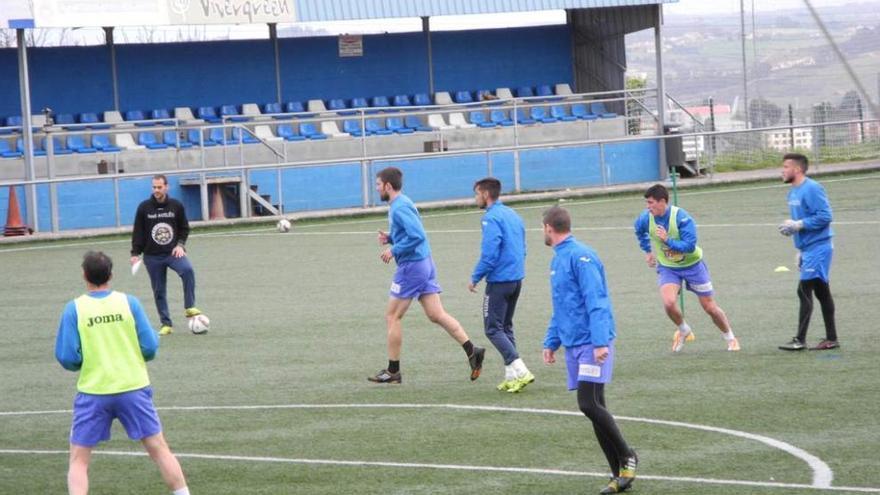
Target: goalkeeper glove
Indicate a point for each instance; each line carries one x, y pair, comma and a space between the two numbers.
789, 227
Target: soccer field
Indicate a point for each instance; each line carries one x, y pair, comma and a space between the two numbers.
274, 398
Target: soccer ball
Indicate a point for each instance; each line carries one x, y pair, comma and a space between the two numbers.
283, 225
198, 324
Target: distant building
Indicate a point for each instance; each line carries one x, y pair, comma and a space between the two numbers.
780, 140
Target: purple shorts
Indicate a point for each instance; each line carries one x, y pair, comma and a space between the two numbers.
696, 277
582, 367
93, 415
815, 262
413, 279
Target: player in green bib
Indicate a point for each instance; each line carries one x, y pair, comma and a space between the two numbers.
106, 336
668, 236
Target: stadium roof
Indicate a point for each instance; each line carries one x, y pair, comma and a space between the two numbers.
82, 13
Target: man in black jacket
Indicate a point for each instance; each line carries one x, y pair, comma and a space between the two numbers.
160, 232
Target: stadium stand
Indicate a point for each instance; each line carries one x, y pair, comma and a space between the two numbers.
148, 139
264, 132
375, 127
331, 129
436, 122
414, 122
78, 144
102, 142
316, 106
598, 108
395, 124
442, 98
174, 139
251, 111
185, 115
457, 119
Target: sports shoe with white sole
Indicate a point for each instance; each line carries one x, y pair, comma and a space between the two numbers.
385, 376
733, 345
521, 382
678, 342
166, 330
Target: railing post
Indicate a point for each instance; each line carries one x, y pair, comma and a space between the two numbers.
50, 169
365, 183
602, 167
790, 127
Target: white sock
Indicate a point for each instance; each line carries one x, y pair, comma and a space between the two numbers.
509, 374
181, 491
684, 328
728, 335
519, 367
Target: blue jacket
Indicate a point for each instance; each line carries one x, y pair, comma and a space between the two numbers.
407, 236
581, 303
68, 349
809, 203
503, 250
687, 231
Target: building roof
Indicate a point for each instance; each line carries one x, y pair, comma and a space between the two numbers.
63, 13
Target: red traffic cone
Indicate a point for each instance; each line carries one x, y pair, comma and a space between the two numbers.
217, 211
14, 226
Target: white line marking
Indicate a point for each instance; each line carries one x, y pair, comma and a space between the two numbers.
822, 474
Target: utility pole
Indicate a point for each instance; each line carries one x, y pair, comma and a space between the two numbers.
742, 18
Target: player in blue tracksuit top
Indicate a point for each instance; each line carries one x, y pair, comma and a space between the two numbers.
668, 236
810, 226
583, 323
503, 264
415, 278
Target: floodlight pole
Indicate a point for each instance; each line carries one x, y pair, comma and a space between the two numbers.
26, 131
661, 90
114, 74
426, 29
273, 36
742, 20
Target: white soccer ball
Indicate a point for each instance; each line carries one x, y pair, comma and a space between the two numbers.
283, 225
198, 324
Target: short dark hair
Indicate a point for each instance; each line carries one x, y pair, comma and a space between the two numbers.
97, 267
657, 192
558, 218
802, 161
393, 176
162, 178
491, 185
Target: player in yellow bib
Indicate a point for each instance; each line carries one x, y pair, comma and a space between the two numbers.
668, 236
106, 336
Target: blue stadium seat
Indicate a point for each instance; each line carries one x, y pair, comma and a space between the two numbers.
239, 135
217, 135
92, 120
287, 132
148, 139
62, 119
522, 119
297, 108
558, 112
422, 100
231, 113
78, 144
353, 127
6, 151
272, 108
174, 140
208, 114
540, 114
524, 92
463, 97
500, 118
137, 115
598, 108
395, 124
310, 130
336, 104
580, 111
544, 90
58, 147
197, 138
380, 101
19, 146
101, 142
413, 122
161, 113
374, 126
14, 121
402, 101
479, 118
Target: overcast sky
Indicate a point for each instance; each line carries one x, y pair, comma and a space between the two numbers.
725, 6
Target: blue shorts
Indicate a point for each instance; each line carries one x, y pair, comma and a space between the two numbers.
815, 262
582, 367
93, 415
695, 276
413, 279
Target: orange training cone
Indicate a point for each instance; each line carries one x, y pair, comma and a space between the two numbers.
217, 212
13, 217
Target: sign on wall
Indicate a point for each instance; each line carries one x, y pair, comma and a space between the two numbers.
76, 13
351, 46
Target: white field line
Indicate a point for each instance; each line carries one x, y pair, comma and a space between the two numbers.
822, 474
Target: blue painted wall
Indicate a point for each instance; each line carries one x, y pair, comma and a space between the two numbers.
487, 59
392, 64
195, 74
66, 79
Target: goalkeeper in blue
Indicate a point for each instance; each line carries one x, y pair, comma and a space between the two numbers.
503, 264
668, 236
583, 323
810, 228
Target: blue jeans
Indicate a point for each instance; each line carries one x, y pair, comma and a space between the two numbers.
499, 304
157, 267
